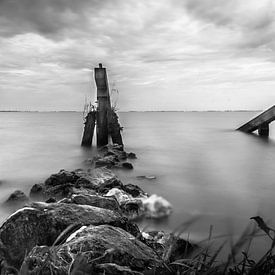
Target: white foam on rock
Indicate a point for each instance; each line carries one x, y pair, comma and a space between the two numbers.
120, 195
156, 207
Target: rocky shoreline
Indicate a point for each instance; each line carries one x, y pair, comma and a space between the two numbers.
82, 222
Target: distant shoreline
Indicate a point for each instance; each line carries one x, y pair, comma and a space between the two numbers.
206, 111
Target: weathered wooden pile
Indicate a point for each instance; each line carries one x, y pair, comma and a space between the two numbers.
104, 117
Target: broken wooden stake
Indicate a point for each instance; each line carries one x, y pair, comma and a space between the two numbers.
114, 128
89, 127
103, 99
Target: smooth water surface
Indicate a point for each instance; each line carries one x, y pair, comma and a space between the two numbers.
204, 167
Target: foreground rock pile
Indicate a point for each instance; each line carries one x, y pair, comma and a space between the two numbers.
83, 226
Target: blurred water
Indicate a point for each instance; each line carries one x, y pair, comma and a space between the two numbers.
203, 166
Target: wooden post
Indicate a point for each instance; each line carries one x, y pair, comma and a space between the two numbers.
104, 104
89, 127
114, 128
263, 130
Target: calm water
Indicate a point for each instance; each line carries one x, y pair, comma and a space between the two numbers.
203, 167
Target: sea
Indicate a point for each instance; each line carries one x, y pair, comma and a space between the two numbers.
214, 176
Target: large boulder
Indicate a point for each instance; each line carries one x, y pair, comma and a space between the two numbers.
168, 246
42, 223
102, 249
65, 183
93, 200
113, 156
16, 200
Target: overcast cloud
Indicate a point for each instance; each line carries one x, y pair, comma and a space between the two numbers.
160, 54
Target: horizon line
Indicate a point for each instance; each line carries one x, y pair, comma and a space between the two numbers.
131, 111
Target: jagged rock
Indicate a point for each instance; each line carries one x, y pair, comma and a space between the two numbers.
17, 197
116, 147
100, 179
112, 154
131, 207
168, 246
62, 177
127, 165
64, 183
120, 195
106, 248
16, 200
108, 161
42, 223
94, 200
50, 200
37, 191
131, 155
134, 190
140, 204
156, 207
59, 191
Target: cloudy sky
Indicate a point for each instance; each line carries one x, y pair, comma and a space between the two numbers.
160, 54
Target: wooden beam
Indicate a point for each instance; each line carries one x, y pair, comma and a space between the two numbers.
259, 122
89, 127
104, 105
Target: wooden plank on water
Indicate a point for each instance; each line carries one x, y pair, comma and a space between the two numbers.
263, 119
103, 99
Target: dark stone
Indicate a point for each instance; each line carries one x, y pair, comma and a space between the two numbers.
62, 177
131, 155
99, 179
122, 155
132, 209
84, 182
110, 153
127, 165
95, 200
59, 191
17, 196
109, 184
108, 161
50, 200
64, 184
42, 223
169, 246
117, 147
37, 191
16, 200
96, 248
133, 190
